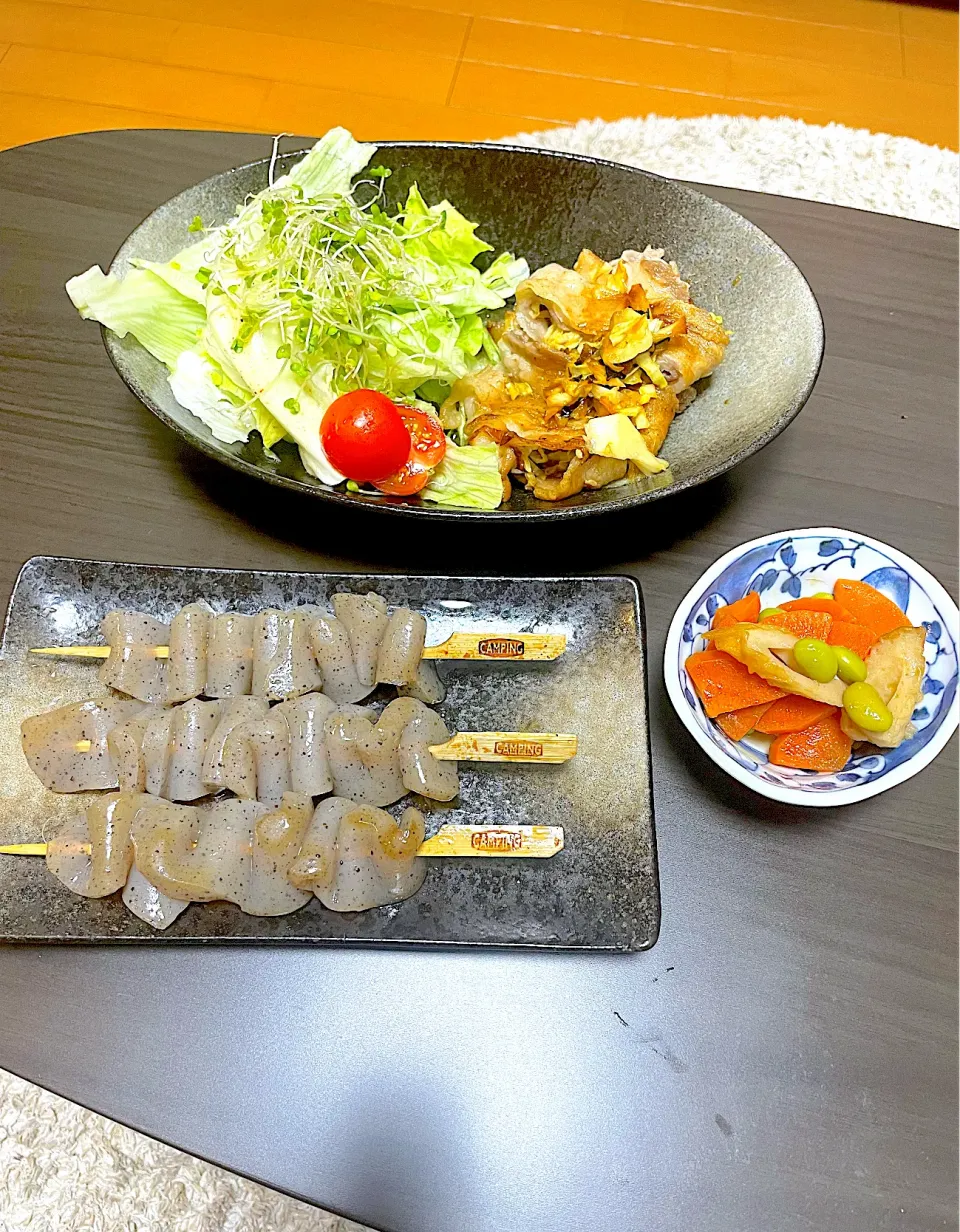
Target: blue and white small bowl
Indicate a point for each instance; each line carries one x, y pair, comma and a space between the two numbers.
782, 566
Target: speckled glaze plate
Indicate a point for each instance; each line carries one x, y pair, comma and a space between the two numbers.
547, 207
600, 892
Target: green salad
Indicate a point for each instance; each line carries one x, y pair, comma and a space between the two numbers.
313, 291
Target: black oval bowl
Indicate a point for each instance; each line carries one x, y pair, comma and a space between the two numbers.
547, 207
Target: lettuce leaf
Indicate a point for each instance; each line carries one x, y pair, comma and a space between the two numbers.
505, 274
181, 271
441, 244
453, 242
142, 304
192, 383
425, 346
199, 385
471, 334
434, 393
297, 407
468, 477
329, 168
270, 429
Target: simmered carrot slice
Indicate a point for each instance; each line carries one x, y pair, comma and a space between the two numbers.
723, 684
855, 637
803, 624
739, 723
745, 610
824, 746
830, 606
869, 607
793, 714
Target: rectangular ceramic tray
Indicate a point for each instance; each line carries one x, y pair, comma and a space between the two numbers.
600, 892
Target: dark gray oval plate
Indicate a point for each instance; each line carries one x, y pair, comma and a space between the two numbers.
547, 207
600, 892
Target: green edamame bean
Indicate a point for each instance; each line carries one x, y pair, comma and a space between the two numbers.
815, 659
770, 611
866, 707
822, 594
850, 667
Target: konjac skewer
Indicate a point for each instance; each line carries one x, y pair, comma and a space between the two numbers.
279, 654
257, 751
522, 842
269, 861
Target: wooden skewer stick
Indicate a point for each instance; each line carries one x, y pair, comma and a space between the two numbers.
549, 747
516, 647
89, 652
533, 842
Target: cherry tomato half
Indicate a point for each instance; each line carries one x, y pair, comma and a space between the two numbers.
364, 435
427, 447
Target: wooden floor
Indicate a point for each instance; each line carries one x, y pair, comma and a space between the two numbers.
470, 68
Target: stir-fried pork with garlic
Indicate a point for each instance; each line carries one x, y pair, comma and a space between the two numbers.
595, 361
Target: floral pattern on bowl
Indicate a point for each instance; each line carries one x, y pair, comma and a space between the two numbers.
783, 566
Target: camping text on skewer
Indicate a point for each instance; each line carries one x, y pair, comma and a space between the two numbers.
549, 747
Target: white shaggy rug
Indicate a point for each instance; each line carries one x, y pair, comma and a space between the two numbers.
63, 1169
843, 166
66, 1170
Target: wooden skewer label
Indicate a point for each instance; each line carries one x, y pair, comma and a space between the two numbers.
529, 647
548, 747
537, 842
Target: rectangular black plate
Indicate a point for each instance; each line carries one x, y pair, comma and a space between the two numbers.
600, 892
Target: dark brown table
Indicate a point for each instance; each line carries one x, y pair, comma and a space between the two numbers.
783, 1060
